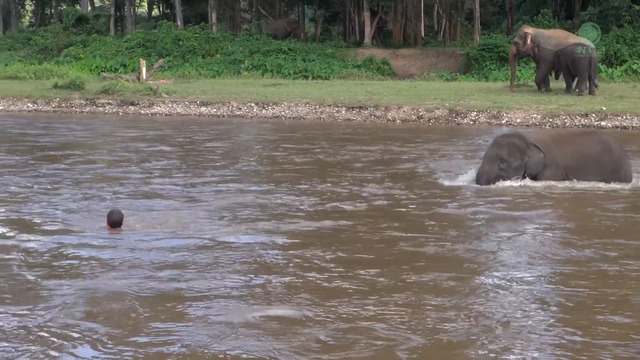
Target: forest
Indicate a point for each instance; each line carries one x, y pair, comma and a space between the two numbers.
296, 39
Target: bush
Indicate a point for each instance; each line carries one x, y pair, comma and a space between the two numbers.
197, 52
75, 83
491, 55
619, 47
21, 71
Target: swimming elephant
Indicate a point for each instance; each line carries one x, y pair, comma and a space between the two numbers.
577, 61
584, 155
541, 45
281, 29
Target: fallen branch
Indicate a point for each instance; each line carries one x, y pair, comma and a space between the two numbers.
128, 78
142, 76
264, 13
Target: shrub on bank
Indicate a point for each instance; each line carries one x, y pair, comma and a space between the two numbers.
60, 50
193, 52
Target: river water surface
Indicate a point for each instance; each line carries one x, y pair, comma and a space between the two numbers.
295, 240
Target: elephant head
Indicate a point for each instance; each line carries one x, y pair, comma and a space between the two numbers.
510, 156
530, 41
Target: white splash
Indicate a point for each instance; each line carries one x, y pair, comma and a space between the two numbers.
469, 177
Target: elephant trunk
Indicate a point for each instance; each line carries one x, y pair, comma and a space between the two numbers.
482, 178
513, 57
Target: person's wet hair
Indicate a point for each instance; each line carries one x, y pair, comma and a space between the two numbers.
115, 218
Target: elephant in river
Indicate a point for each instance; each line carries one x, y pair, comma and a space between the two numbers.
577, 61
583, 155
281, 29
541, 45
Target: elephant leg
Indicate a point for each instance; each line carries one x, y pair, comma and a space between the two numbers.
581, 86
592, 87
568, 80
542, 76
593, 84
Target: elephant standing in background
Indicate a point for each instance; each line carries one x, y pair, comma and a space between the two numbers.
541, 45
560, 156
580, 62
281, 29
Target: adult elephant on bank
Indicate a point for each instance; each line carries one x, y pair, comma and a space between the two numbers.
281, 29
560, 156
577, 61
541, 45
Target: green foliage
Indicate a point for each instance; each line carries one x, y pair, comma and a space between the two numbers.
630, 71
619, 47
113, 87
488, 57
22, 71
194, 52
613, 14
75, 83
545, 20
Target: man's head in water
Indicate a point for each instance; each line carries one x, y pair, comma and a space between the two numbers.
115, 218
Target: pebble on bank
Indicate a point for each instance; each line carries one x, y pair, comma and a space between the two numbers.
301, 111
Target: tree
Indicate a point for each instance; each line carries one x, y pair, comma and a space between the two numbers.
476, 22
13, 6
213, 15
511, 16
178, 10
130, 16
301, 22
1, 17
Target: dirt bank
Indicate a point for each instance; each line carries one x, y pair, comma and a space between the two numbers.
408, 63
297, 111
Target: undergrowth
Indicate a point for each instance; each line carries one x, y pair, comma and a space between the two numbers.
65, 51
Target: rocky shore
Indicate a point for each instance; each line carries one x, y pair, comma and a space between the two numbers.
302, 111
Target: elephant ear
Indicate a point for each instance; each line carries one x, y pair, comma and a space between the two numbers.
534, 162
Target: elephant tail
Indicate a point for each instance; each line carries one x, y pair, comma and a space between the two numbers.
593, 74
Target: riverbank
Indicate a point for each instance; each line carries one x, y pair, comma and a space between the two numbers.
317, 112
411, 101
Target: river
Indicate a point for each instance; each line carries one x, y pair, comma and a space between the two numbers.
249, 239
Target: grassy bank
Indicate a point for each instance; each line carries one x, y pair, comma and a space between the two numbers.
611, 98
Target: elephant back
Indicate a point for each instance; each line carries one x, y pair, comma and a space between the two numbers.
555, 39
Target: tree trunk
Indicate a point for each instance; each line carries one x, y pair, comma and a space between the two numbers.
577, 5
366, 16
55, 11
302, 30
38, 9
178, 9
511, 15
421, 22
245, 15
213, 15
345, 21
318, 23
409, 24
397, 23
13, 5
112, 21
356, 23
129, 16
1, 17
84, 6
92, 5
150, 6
476, 22
255, 14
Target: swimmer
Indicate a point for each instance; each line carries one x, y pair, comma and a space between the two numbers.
115, 218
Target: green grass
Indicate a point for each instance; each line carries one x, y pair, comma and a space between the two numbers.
615, 97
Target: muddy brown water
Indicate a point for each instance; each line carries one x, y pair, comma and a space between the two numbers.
297, 240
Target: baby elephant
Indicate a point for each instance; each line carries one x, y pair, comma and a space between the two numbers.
557, 156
